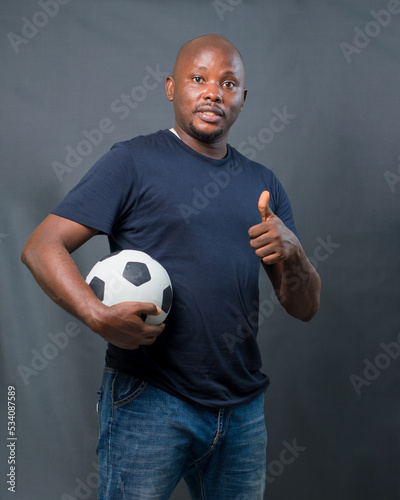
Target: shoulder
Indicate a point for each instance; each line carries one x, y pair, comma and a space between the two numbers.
262, 172
265, 179
147, 142
125, 155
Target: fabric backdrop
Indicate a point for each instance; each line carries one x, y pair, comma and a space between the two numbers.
322, 112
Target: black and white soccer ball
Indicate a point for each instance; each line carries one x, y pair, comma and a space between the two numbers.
132, 276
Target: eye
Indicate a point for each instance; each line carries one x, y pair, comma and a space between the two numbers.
197, 79
229, 85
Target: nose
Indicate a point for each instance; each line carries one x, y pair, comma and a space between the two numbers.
212, 92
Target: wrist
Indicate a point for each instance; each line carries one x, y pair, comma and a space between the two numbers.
93, 314
296, 255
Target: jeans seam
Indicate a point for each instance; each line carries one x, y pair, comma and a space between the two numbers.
218, 435
203, 497
110, 426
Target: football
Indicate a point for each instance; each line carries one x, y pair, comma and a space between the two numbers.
132, 276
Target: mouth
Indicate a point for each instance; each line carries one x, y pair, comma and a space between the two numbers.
210, 114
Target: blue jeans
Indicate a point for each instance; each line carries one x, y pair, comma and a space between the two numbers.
149, 440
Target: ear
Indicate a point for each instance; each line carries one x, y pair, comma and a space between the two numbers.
169, 88
244, 98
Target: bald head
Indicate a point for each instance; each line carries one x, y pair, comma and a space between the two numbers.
189, 50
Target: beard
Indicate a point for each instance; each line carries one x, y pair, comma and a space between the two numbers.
203, 136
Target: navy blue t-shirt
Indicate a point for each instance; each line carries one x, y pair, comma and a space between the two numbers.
191, 213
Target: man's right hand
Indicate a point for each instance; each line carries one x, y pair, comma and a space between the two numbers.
123, 326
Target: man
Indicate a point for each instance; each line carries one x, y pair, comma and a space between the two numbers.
184, 399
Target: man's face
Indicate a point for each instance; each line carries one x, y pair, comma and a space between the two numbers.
208, 92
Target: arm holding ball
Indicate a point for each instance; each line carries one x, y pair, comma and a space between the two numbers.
47, 254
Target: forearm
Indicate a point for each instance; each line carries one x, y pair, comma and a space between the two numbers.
57, 274
297, 285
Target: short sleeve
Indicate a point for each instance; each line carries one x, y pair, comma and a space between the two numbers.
282, 206
103, 194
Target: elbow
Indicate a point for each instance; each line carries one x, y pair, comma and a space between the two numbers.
310, 314
312, 309
314, 302
306, 312
27, 254
304, 305
24, 255
303, 314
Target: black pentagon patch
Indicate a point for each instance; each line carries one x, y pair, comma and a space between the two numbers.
136, 273
167, 299
98, 285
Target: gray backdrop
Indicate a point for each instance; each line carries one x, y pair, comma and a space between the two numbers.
331, 68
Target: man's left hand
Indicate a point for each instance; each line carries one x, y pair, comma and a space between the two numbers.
271, 239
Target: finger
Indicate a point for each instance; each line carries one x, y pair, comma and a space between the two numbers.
146, 308
262, 240
271, 259
267, 253
261, 229
124, 345
263, 206
150, 334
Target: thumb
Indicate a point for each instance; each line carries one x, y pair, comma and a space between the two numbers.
148, 308
263, 206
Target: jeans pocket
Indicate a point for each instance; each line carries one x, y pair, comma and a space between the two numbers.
126, 388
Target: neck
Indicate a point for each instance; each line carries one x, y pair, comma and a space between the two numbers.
216, 150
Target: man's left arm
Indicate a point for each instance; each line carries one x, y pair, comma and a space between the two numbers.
295, 280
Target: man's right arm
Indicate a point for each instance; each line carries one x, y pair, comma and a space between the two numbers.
47, 254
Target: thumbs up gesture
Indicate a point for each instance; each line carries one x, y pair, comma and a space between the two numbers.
271, 239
